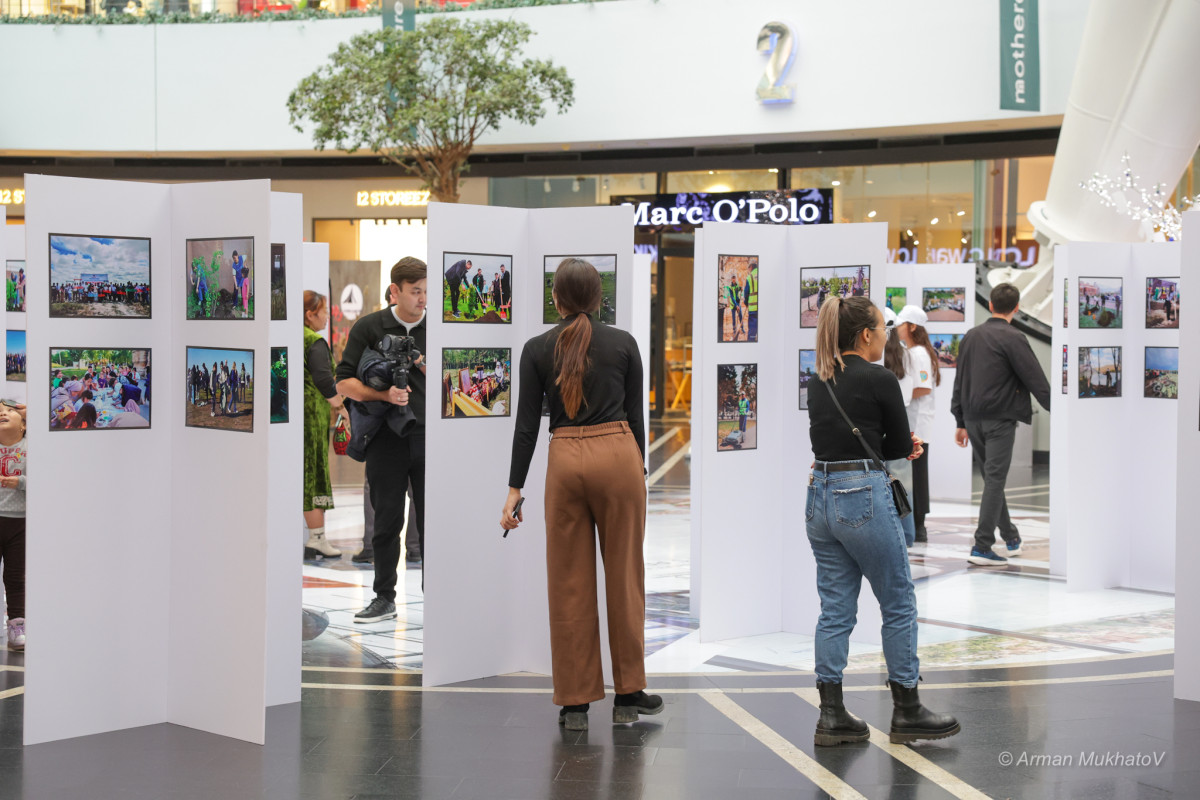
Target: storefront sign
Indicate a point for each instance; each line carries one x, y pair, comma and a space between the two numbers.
400, 14
12, 197
411, 197
1020, 67
781, 207
964, 255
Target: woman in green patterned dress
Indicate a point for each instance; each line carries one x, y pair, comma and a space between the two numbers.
320, 393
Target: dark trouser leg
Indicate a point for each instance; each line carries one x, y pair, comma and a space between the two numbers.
920, 502
454, 287
412, 531
12, 553
992, 444
388, 463
368, 517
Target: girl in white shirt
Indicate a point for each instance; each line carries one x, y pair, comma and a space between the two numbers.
926, 374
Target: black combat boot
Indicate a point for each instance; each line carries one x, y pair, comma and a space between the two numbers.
837, 725
912, 721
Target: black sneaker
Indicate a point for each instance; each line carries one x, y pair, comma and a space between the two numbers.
363, 557
627, 707
413, 557
379, 610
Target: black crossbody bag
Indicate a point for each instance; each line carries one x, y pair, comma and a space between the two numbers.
899, 494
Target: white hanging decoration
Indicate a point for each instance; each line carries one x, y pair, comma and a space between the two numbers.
1151, 208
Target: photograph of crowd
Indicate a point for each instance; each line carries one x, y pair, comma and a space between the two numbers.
15, 298
946, 346
99, 276
897, 298
14, 356
818, 283
220, 276
476, 382
808, 368
1066, 302
737, 404
1162, 302
219, 389
605, 265
945, 304
99, 389
278, 281
279, 384
478, 288
1100, 303
1065, 363
1162, 373
1099, 372
737, 298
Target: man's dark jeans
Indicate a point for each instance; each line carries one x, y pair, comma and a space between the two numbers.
992, 446
392, 463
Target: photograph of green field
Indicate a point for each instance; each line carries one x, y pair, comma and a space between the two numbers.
605, 265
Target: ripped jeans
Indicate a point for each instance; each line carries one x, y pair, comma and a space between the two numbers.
855, 532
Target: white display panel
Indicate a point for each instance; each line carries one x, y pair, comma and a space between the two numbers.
501, 624
1187, 502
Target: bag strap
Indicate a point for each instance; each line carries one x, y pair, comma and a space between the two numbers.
854, 429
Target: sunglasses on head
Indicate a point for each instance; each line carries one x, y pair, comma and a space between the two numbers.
10, 403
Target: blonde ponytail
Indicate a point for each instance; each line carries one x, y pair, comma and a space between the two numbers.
829, 358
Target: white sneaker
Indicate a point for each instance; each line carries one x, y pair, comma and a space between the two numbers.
16, 634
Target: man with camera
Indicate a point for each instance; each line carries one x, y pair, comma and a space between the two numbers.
392, 461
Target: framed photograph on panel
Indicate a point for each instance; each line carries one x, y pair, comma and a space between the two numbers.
14, 356
476, 382
1064, 367
1099, 371
946, 346
1101, 303
737, 407
220, 389
278, 281
97, 389
1066, 302
818, 283
279, 384
478, 288
606, 265
1162, 302
1162, 373
15, 297
220, 275
808, 369
945, 303
99, 276
737, 298
897, 298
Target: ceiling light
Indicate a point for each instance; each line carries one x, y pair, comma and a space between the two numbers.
870, 215
710, 172
916, 241
870, 181
909, 231
933, 221
773, 169
961, 213
963, 240
546, 185
837, 183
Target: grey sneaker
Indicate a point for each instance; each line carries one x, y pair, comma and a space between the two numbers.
379, 610
16, 634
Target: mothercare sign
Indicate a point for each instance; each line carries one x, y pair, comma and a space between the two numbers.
1020, 72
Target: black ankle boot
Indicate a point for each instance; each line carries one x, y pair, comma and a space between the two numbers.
912, 721
626, 707
837, 725
574, 718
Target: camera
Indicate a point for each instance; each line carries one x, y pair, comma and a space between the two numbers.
399, 353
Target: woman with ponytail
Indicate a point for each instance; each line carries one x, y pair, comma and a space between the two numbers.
852, 522
591, 376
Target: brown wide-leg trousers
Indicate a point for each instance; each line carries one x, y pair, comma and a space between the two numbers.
595, 482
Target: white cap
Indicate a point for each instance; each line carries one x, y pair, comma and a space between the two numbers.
912, 314
889, 317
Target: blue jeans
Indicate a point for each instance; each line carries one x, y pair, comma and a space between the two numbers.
855, 532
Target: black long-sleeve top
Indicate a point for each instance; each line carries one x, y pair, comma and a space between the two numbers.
612, 391
320, 365
997, 371
871, 396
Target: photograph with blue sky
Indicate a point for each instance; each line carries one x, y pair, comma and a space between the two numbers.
219, 389
14, 352
99, 276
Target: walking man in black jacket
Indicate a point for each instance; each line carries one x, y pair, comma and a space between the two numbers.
997, 371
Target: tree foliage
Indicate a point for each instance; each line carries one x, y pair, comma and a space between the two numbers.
422, 98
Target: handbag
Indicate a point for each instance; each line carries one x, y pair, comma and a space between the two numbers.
899, 494
341, 436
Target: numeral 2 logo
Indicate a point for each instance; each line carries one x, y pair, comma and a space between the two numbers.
776, 39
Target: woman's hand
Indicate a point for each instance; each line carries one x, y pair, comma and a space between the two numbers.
918, 450
10, 483
507, 522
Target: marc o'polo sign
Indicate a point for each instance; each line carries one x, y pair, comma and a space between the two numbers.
780, 207
1020, 67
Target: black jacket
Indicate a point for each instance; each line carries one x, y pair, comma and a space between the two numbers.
997, 371
367, 418
457, 272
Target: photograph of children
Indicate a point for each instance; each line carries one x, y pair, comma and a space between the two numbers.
1162, 372
478, 288
818, 283
1065, 382
946, 346
737, 407
99, 276
15, 299
278, 281
14, 360
897, 298
279, 384
99, 389
605, 265
808, 368
476, 382
1100, 302
219, 389
1099, 371
1162, 302
220, 276
737, 298
945, 304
